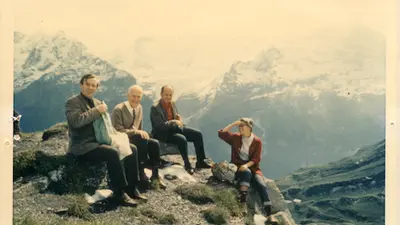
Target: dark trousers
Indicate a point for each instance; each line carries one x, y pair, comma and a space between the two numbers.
148, 150
123, 173
247, 178
188, 135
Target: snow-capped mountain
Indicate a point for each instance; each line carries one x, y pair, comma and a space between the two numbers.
307, 110
313, 100
351, 59
190, 64
47, 72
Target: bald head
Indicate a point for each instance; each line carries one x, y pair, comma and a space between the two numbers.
136, 88
135, 93
166, 87
166, 93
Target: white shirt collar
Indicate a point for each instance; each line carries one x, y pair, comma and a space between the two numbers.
130, 107
250, 138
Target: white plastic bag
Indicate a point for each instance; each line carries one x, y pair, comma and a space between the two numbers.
107, 134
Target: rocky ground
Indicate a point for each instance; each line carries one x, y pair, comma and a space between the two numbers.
47, 193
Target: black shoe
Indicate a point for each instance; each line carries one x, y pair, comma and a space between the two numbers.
202, 165
164, 164
189, 169
144, 182
137, 195
267, 209
124, 199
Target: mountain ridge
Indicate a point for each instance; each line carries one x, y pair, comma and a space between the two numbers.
52, 69
351, 189
310, 117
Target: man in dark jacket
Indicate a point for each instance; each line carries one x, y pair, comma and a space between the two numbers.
81, 111
167, 126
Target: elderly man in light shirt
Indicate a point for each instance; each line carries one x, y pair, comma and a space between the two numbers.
127, 117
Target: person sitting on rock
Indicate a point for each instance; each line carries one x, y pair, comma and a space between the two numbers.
81, 111
246, 150
127, 117
167, 126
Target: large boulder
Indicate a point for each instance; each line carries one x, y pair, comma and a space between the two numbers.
225, 172
46, 156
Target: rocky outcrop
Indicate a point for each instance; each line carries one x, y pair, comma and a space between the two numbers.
47, 181
225, 171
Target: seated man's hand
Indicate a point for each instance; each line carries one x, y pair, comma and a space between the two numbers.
177, 122
102, 108
180, 124
242, 168
143, 134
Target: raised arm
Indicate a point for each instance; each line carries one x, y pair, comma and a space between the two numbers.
225, 134
77, 117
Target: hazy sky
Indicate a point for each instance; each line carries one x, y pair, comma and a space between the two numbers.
105, 25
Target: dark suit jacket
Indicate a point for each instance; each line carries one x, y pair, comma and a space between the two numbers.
161, 127
122, 119
80, 117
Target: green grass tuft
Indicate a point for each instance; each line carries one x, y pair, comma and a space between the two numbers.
159, 217
198, 193
216, 215
226, 198
79, 208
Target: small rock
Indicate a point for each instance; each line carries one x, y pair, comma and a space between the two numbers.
170, 177
296, 200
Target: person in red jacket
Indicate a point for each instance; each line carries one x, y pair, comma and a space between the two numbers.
246, 150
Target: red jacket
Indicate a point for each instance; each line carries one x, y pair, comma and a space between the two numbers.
235, 141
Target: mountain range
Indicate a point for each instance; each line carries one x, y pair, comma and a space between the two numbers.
313, 100
347, 191
47, 71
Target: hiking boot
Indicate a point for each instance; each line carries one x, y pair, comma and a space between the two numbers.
202, 165
124, 199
